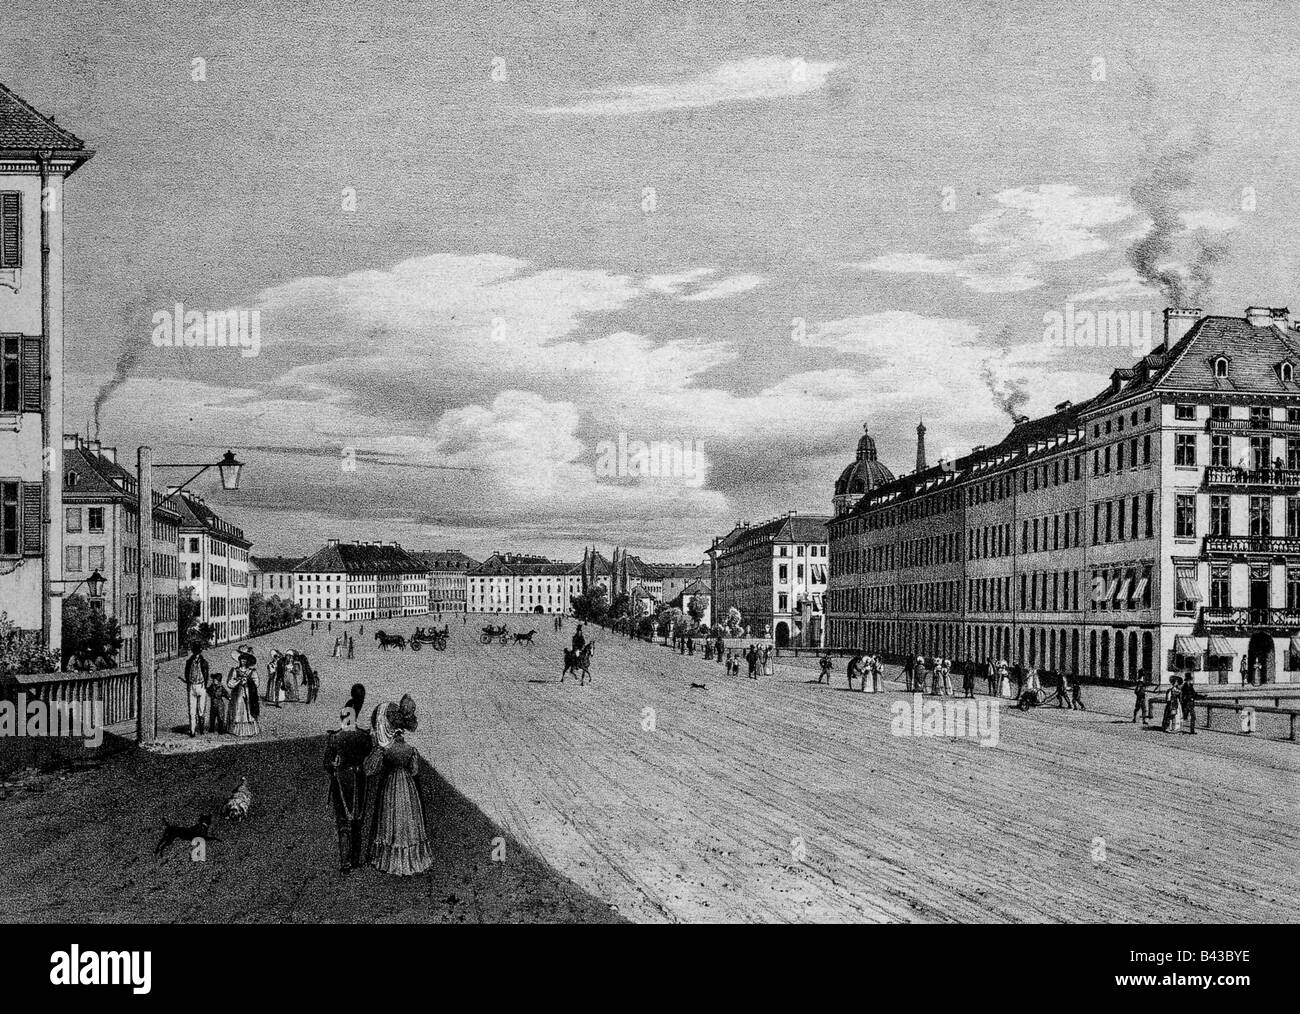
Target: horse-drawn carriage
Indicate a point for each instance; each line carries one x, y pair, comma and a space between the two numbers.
434, 636
490, 633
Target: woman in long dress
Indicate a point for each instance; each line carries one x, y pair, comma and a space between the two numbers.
242, 687
400, 842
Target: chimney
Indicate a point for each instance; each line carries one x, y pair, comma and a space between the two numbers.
920, 446
331, 543
110, 453
1063, 406
1178, 321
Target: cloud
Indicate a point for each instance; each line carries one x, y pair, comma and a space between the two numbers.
1028, 229
1122, 284
768, 77
733, 286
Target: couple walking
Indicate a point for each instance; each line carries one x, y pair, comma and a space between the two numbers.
375, 791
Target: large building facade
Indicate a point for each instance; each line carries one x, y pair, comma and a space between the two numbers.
776, 574
448, 573
36, 157
1153, 527
520, 583
214, 564
361, 581
272, 576
101, 505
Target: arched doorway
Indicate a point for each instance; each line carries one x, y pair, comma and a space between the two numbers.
782, 635
1259, 659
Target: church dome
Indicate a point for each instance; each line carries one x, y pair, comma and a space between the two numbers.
866, 472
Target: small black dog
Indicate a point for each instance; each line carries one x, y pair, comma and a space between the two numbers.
174, 832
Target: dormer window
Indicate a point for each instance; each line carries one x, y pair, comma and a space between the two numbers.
1285, 371
1220, 366
70, 480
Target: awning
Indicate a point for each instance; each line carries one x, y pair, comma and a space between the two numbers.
1187, 588
1220, 647
1186, 645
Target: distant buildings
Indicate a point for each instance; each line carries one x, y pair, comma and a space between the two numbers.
214, 564
520, 583
361, 581
36, 157
101, 505
1154, 526
448, 573
272, 576
651, 584
775, 573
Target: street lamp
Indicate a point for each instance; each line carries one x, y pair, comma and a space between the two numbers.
94, 584
230, 468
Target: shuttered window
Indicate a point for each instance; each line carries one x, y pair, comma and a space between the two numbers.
10, 530
30, 383
10, 360
32, 494
11, 230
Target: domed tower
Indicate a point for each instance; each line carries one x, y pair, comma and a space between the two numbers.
861, 477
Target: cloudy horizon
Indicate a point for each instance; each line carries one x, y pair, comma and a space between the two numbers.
486, 246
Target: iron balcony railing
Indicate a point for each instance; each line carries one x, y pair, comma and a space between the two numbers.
1249, 617
1226, 475
1244, 425
1280, 545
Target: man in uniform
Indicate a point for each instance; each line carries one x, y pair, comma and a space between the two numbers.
346, 749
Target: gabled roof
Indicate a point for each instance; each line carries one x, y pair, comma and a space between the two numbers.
1253, 353
788, 529
359, 558
197, 516
90, 477
23, 129
447, 560
274, 564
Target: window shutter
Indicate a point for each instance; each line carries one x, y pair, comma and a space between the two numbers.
10, 230
30, 384
31, 507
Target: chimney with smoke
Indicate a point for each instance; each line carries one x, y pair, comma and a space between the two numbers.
1178, 321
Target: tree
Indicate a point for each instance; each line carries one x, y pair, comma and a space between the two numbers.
668, 620
91, 639
592, 605
187, 616
23, 651
698, 607
621, 606
734, 625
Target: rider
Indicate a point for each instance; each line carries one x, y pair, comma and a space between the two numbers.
579, 642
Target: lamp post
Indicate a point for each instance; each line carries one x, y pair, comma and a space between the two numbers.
147, 703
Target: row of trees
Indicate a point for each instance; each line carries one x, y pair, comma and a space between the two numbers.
271, 613
628, 614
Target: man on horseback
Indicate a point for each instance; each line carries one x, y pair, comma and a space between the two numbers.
579, 642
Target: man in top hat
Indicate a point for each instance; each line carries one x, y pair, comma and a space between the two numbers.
196, 687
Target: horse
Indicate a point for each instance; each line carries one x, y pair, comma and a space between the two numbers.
390, 639
579, 663
525, 638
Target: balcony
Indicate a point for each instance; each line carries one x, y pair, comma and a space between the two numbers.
1275, 545
1251, 426
1250, 618
1261, 478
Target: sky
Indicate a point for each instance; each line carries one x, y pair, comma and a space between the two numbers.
486, 243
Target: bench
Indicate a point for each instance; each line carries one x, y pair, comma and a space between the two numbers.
1233, 705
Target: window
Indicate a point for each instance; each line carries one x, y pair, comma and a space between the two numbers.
95, 558
72, 558
1220, 514
94, 519
1184, 411
1293, 516
11, 230
194, 545
1186, 593
1292, 588
1259, 416
73, 518
1284, 370
1260, 449
9, 540
1185, 516
10, 370
1293, 453
1185, 449
1220, 588
1221, 366
1261, 515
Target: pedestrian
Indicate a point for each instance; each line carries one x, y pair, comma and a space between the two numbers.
1140, 699
400, 841
1018, 674
338, 643
968, 682
1188, 702
362, 631
1076, 693
690, 644
351, 646
1063, 698
240, 683
932, 669
1172, 718
767, 661
346, 750
1004, 679
195, 679
826, 667
945, 676
753, 661
851, 669
217, 698
907, 673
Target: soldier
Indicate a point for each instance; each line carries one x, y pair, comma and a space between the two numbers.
346, 749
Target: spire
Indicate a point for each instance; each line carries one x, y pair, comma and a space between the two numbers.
920, 446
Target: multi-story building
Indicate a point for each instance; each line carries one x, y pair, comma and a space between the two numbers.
448, 572
652, 583
519, 583
1155, 526
272, 576
214, 564
361, 581
101, 505
36, 157
775, 574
